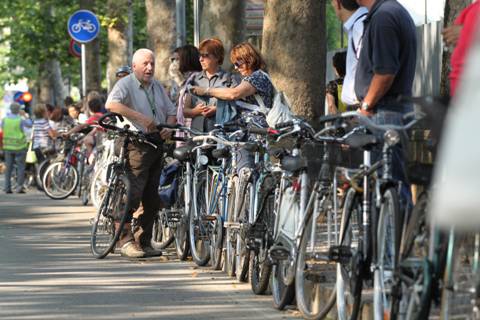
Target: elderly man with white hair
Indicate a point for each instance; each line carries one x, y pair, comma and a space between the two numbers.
143, 101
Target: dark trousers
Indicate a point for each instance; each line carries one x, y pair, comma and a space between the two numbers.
18, 158
144, 168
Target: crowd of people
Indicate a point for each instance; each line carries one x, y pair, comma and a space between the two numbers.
377, 68
22, 134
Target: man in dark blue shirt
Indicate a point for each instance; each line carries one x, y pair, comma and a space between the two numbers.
386, 65
385, 70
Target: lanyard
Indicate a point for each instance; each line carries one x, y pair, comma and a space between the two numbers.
151, 101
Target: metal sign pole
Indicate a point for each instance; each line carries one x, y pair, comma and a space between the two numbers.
84, 72
196, 22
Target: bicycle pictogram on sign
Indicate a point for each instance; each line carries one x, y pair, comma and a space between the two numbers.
83, 26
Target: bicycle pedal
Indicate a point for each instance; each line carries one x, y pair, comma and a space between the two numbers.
340, 254
279, 253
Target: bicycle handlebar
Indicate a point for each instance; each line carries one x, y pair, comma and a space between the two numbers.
109, 115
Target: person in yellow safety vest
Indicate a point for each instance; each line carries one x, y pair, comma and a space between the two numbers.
15, 146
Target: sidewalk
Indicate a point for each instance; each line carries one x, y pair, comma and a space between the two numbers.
47, 272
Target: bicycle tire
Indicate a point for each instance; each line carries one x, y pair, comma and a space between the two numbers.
162, 235
54, 180
388, 242
118, 194
260, 267
259, 272
241, 250
40, 172
412, 294
98, 187
461, 290
182, 244
197, 233
312, 283
230, 233
282, 294
216, 243
349, 276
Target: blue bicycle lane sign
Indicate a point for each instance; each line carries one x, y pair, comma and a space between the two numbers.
83, 26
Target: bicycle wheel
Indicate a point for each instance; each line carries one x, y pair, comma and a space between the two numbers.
349, 274
98, 187
411, 298
461, 290
388, 239
197, 229
60, 181
162, 234
282, 293
216, 243
40, 173
260, 268
114, 206
85, 186
242, 253
315, 277
230, 236
181, 229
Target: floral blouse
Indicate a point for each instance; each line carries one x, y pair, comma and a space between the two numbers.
261, 82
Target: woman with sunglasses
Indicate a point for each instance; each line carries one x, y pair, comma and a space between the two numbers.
202, 109
249, 63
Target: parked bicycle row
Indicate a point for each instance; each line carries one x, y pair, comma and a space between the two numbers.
248, 200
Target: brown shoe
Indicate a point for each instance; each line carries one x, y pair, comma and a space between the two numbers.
131, 250
151, 252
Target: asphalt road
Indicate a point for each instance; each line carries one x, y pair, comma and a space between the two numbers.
47, 272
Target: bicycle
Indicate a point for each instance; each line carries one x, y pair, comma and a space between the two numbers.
108, 223
371, 225
61, 177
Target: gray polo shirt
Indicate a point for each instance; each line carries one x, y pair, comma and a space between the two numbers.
221, 79
151, 101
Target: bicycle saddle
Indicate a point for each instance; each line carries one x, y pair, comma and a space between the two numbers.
362, 141
183, 153
292, 164
222, 153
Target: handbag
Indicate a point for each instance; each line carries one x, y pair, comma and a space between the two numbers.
31, 156
280, 111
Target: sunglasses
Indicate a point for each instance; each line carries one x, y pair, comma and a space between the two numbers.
238, 64
204, 55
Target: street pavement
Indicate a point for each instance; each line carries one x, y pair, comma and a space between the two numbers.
47, 272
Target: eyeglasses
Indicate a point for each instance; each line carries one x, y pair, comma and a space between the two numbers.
238, 64
204, 55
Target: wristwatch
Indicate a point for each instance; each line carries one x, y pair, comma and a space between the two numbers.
365, 106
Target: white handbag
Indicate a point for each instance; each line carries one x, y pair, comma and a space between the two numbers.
280, 111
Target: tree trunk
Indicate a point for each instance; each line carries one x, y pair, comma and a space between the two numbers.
117, 39
44, 88
92, 56
161, 31
452, 10
50, 85
56, 82
224, 20
294, 47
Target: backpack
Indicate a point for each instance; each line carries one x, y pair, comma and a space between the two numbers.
280, 111
167, 190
